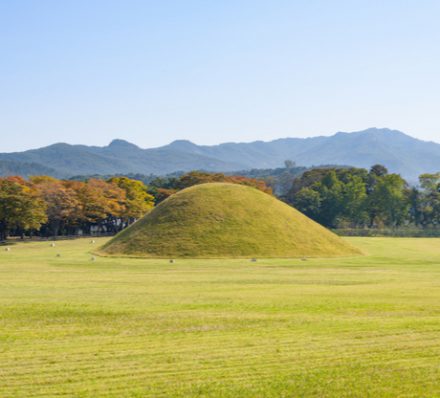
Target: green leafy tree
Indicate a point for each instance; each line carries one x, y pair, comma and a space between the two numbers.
379, 170
416, 207
430, 198
331, 191
354, 201
339, 197
308, 201
388, 202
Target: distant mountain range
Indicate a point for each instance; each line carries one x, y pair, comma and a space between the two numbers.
397, 151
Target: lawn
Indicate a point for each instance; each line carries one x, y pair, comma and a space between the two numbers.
364, 326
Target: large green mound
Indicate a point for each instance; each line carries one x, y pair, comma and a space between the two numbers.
226, 220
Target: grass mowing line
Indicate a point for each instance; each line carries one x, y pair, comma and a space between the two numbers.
208, 369
225, 332
317, 354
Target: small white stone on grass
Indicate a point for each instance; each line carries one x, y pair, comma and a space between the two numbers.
8, 249
52, 245
92, 241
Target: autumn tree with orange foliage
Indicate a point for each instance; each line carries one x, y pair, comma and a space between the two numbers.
164, 188
197, 177
21, 206
52, 207
138, 201
100, 203
62, 204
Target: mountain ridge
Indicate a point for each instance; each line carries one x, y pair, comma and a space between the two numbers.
396, 150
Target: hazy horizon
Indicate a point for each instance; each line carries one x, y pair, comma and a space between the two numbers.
151, 73
218, 143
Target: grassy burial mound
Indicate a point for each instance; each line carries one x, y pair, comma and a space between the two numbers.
226, 220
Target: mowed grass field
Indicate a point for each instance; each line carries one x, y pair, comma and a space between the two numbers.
364, 326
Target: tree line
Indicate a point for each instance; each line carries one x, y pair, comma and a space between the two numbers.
47, 206
360, 198
163, 187
335, 197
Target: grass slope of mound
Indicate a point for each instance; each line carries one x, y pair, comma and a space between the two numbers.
226, 220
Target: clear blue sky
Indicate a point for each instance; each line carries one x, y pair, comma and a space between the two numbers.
88, 71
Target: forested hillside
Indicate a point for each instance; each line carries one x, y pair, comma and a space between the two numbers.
400, 153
